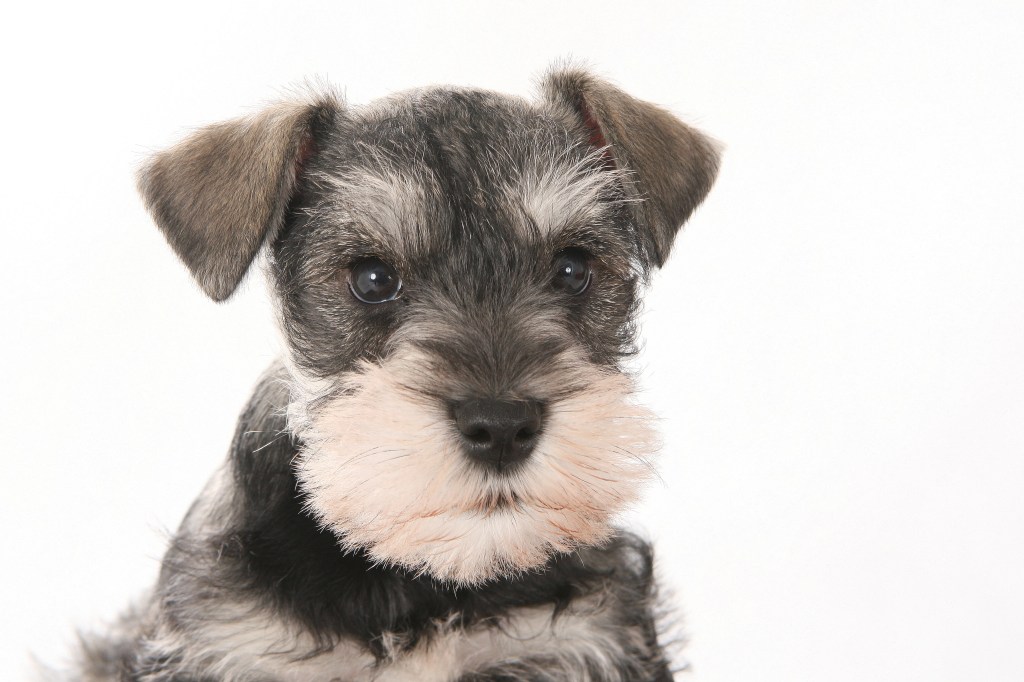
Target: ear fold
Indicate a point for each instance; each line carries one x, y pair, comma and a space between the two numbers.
672, 165
220, 193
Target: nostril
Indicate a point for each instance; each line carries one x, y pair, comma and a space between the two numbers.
526, 434
478, 435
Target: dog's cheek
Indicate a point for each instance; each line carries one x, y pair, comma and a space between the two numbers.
603, 321
330, 330
602, 439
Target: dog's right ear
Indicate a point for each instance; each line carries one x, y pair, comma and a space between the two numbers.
222, 192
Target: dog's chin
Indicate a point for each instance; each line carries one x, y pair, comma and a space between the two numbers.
469, 548
395, 483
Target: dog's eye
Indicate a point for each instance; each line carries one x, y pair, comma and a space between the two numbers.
572, 271
374, 281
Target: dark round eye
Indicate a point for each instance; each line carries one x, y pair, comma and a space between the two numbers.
572, 271
374, 281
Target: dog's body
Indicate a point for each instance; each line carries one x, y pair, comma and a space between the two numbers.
424, 488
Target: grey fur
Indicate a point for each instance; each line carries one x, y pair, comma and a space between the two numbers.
674, 164
348, 537
218, 195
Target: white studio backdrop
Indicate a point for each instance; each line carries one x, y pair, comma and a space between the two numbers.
835, 346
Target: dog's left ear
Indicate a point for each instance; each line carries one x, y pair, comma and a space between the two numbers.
670, 166
222, 192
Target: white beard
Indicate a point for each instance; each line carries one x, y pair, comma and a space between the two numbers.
382, 467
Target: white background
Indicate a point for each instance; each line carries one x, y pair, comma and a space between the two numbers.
835, 346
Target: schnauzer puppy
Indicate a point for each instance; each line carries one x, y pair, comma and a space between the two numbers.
424, 487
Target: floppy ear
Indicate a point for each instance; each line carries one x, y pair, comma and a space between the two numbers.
220, 193
671, 165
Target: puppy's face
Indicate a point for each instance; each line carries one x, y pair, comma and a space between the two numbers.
457, 285
457, 275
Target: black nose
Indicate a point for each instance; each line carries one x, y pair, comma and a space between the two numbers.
499, 433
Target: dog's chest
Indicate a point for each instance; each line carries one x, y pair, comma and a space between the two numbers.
257, 649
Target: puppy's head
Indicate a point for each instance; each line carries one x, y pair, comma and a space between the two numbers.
456, 273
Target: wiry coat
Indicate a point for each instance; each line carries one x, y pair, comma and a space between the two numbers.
348, 537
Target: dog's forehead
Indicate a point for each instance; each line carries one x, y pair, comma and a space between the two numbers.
454, 162
462, 133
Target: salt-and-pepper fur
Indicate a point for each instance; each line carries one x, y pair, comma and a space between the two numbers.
348, 537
